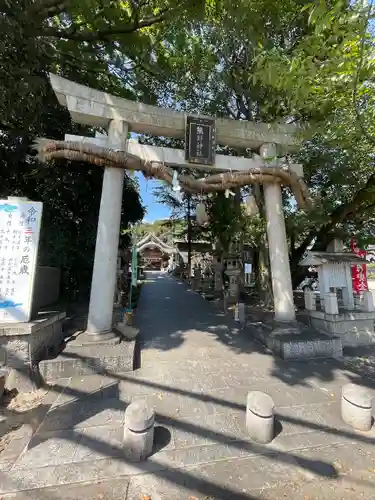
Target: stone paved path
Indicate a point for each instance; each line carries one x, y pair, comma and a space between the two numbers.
196, 368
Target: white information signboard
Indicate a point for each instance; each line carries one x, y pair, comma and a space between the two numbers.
19, 238
248, 268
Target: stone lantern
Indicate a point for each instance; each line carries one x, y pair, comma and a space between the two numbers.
233, 271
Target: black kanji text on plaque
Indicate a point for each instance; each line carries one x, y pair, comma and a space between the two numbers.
200, 140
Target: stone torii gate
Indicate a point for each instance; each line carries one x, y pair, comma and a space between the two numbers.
119, 116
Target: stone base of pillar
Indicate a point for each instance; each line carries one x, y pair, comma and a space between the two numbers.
294, 340
108, 338
82, 357
111, 337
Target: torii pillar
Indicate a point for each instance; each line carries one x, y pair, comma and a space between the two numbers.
99, 322
277, 243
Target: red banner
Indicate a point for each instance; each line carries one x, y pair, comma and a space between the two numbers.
359, 272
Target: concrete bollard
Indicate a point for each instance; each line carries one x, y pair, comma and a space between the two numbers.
138, 431
356, 408
260, 417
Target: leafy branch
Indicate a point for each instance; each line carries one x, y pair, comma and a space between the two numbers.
122, 29
356, 104
49, 8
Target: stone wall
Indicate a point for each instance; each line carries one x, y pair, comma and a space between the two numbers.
24, 345
354, 328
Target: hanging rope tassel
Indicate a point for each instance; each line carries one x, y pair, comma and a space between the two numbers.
175, 184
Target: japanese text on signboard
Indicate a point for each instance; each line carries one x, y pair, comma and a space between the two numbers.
19, 236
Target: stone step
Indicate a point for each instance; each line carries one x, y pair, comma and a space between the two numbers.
296, 341
79, 360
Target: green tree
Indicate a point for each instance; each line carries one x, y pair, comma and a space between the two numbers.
214, 74
106, 44
70, 193
327, 80
28, 108
291, 61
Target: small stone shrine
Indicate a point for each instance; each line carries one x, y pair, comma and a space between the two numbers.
340, 312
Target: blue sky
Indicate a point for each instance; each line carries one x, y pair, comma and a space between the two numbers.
154, 210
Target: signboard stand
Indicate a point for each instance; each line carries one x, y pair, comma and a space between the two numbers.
20, 221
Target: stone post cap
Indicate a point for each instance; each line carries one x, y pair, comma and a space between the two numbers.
139, 416
357, 395
260, 403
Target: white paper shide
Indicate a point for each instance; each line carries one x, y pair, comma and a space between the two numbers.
19, 238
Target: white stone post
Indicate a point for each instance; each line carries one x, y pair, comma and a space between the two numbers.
323, 280
277, 243
99, 323
368, 301
239, 313
347, 292
310, 300
330, 303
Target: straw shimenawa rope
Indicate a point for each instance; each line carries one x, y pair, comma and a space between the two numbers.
103, 157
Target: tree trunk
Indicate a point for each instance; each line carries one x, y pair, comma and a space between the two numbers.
266, 294
262, 274
263, 271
